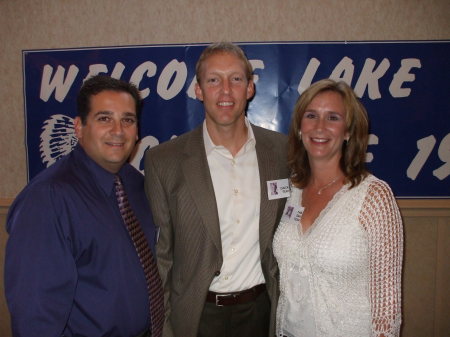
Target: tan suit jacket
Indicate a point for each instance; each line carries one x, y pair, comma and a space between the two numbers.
189, 250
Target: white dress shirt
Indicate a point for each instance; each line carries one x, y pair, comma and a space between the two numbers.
237, 191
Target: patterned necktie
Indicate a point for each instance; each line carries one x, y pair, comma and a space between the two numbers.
154, 285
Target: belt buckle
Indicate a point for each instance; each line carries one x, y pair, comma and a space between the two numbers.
218, 296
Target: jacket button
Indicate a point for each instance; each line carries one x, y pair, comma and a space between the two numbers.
217, 273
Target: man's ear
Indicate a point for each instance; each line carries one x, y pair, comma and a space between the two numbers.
250, 89
78, 127
198, 92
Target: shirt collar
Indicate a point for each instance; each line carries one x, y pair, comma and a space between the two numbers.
103, 178
210, 146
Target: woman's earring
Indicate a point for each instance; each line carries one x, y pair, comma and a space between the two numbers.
300, 135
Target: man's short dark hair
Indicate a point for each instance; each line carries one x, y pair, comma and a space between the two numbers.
98, 83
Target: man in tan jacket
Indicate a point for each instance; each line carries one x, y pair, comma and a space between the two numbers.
209, 196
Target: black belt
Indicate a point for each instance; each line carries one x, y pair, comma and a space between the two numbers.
238, 297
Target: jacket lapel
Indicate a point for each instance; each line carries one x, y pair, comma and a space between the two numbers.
198, 179
268, 170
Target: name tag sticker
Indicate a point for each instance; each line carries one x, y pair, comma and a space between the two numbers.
292, 213
277, 189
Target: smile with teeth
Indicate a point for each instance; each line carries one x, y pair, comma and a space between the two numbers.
319, 140
114, 144
225, 103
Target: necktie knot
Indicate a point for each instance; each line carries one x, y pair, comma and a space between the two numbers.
117, 181
118, 187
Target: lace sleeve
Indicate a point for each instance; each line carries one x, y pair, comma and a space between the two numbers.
381, 219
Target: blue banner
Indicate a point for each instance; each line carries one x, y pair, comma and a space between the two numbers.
403, 85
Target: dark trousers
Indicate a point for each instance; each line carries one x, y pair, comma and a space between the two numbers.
241, 320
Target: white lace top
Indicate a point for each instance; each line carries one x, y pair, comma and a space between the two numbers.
342, 277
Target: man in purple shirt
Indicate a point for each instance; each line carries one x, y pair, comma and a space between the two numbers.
71, 268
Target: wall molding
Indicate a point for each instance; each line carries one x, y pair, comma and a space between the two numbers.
6, 202
404, 204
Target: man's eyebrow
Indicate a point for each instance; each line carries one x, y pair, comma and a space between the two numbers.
109, 113
129, 113
103, 112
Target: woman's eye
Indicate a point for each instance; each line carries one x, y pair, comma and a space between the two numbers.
310, 115
334, 117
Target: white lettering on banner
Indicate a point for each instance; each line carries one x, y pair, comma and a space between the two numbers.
368, 78
95, 69
425, 147
308, 75
444, 154
373, 140
99, 68
191, 89
138, 73
118, 70
165, 89
403, 75
58, 84
139, 151
344, 71
256, 64
174, 75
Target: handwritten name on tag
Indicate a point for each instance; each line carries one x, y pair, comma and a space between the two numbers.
277, 189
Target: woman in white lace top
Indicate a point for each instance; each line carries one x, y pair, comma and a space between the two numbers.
339, 244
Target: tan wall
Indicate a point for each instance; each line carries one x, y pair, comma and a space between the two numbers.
5, 329
36, 24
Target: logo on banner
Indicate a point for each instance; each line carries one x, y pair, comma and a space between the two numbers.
57, 138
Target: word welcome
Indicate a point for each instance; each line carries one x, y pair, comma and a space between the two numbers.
171, 80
